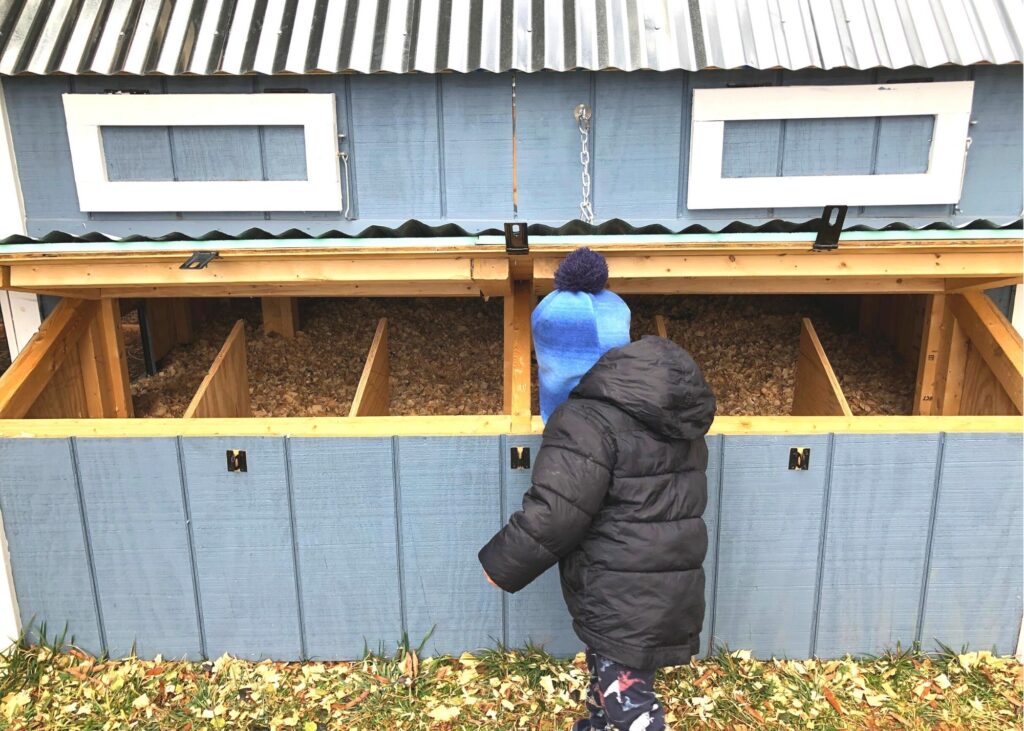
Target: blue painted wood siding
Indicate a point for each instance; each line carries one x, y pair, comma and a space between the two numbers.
328, 546
439, 149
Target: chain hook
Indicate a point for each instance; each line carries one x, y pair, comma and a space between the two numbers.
583, 115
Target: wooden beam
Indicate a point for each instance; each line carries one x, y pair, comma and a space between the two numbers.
951, 367
992, 335
113, 359
302, 289
817, 391
762, 285
224, 392
971, 285
58, 336
373, 395
484, 425
932, 343
660, 326
518, 347
281, 315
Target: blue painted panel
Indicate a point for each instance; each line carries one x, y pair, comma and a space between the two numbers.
769, 544
903, 144
396, 145
46, 540
137, 526
750, 148
345, 526
828, 146
976, 569
284, 152
993, 183
217, 153
711, 520
450, 505
548, 151
478, 145
636, 144
876, 542
243, 543
1004, 298
536, 615
137, 153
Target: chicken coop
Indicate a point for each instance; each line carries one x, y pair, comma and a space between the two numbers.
267, 272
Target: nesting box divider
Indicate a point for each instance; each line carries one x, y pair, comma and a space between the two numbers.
280, 315
817, 391
373, 395
660, 326
165, 323
224, 392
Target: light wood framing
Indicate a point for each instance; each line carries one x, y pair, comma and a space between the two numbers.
518, 347
994, 339
280, 315
817, 391
224, 392
925, 396
169, 324
373, 395
660, 327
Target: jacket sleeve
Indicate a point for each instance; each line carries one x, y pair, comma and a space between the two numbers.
571, 476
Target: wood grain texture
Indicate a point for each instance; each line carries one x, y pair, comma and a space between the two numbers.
876, 542
660, 326
112, 361
224, 391
345, 527
518, 345
537, 615
280, 315
137, 525
46, 540
711, 512
168, 324
373, 394
952, 366
982, 393
243, 548
445, 592
65, 396
768, 546
817, 391
933, 342
976, 569
994, 339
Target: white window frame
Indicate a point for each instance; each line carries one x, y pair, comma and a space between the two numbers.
949, 102
86, 114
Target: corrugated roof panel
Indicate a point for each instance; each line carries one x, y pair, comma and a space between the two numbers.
401, 36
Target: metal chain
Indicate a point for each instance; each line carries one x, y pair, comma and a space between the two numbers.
583, 115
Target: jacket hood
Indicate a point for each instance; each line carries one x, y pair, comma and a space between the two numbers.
657, 383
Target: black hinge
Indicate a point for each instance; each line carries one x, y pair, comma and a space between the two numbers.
236, 461
199, 260
800, 458
829, 230
515, 238
520, 458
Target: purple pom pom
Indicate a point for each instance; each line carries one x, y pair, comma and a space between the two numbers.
582, 271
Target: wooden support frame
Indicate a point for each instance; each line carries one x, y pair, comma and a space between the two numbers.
373, 395
926, 398
995, 344
280, 315
817, 391
518, 306
224, 392
660, 326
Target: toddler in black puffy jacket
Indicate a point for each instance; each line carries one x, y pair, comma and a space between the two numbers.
618, 491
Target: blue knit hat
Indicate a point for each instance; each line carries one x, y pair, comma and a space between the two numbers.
575, 325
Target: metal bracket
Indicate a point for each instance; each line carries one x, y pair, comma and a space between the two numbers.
520, 458
800, 458
515, 238
829, 230
236, 460
199, 260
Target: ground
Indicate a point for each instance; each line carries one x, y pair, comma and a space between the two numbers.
43, 689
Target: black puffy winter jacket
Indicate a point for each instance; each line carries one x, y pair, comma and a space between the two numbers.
618, 491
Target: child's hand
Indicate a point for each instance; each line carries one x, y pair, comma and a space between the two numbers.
491, 581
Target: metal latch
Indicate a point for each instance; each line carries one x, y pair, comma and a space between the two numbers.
800, 458
829, 230
199, 260
236, 461
515, 238
520, 458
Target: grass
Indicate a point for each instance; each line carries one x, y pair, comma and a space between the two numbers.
42, 687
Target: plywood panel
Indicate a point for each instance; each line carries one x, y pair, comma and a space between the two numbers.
245, 563
817, 391
876, 541
347, 546
168, 323
994, 339
138, 527
982, 393
771, 520
46, 540
64, 396
445, 592
711, 514
373, 394
976, 569
137, 153
536, 615
224, 392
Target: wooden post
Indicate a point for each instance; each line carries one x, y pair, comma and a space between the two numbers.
951, 368
994, 340
932, 341
224, 392
817, 391
518, 346
660, 326
373, 395
281, 315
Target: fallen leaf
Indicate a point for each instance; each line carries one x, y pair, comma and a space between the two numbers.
832, 700
444, 713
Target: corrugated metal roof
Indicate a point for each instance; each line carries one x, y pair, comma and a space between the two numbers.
401, 36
